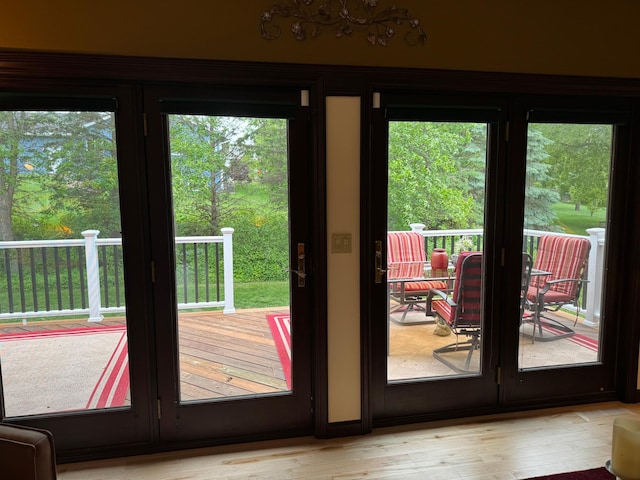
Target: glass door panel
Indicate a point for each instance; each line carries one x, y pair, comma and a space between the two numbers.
435, 219
231, 232
63, 324
230, 189
566, 208
430, 329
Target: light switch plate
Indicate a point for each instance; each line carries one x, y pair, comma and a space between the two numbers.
340, 243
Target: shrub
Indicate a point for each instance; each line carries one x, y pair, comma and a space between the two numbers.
260, 245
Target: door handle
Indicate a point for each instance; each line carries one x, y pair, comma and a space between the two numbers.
378, 262
301, 271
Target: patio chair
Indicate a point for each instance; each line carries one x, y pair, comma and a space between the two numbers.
406, 260
556, 281
461, 310
525, 281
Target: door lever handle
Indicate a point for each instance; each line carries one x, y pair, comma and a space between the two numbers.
378, 262
301, 272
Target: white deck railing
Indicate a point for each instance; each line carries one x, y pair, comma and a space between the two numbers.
93, 279
73, 284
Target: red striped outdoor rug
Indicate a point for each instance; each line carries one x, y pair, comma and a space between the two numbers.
62, 370
577, 338
113, 386
593, 474
280, 326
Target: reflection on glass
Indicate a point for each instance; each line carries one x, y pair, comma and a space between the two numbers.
63, 339
230, 184
436, 188
567, 190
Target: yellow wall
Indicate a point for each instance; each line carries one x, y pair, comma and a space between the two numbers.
590, 37
546, 36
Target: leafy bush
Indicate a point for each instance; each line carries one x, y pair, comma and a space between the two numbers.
260, 245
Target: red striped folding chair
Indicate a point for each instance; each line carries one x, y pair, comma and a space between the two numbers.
406, 262
556, 280
461, 310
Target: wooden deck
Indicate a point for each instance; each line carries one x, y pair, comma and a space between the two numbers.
225, 355
228, 355
221, 355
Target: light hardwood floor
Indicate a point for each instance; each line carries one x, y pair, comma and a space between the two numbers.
500, 447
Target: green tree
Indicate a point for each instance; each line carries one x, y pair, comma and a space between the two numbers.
260, 216
58, 175
434, 172
266, 145
82, 173
20, 149
579, 158
206, 153
539, 200
11, 128
229, 171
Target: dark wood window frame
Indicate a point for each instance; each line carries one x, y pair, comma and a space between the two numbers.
40, 72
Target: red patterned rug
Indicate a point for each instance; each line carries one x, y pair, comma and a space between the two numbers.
67, 369
593, 474
590, 343
113, 386
280, 326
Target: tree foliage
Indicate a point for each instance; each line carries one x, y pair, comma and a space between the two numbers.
436, 174
211, 157
579, 159
204, 152
539, 200
58, 175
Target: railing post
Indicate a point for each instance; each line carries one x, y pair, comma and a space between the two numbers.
417, 227
93, 274
227, 255
595, 273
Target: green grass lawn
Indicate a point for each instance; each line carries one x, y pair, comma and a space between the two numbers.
261, 294
577, 222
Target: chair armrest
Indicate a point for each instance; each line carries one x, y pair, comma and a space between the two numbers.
549, 283
444, 295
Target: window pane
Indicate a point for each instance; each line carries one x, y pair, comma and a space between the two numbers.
63, 336
436, 188
567, 190
230, 184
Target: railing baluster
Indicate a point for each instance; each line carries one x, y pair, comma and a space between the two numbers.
45, 275
217, 272
116, 274
82, 261
206, 271
184, 272
56, 258
34, 289
23, 307
195, 271
105, 275
7, 268
69, 277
